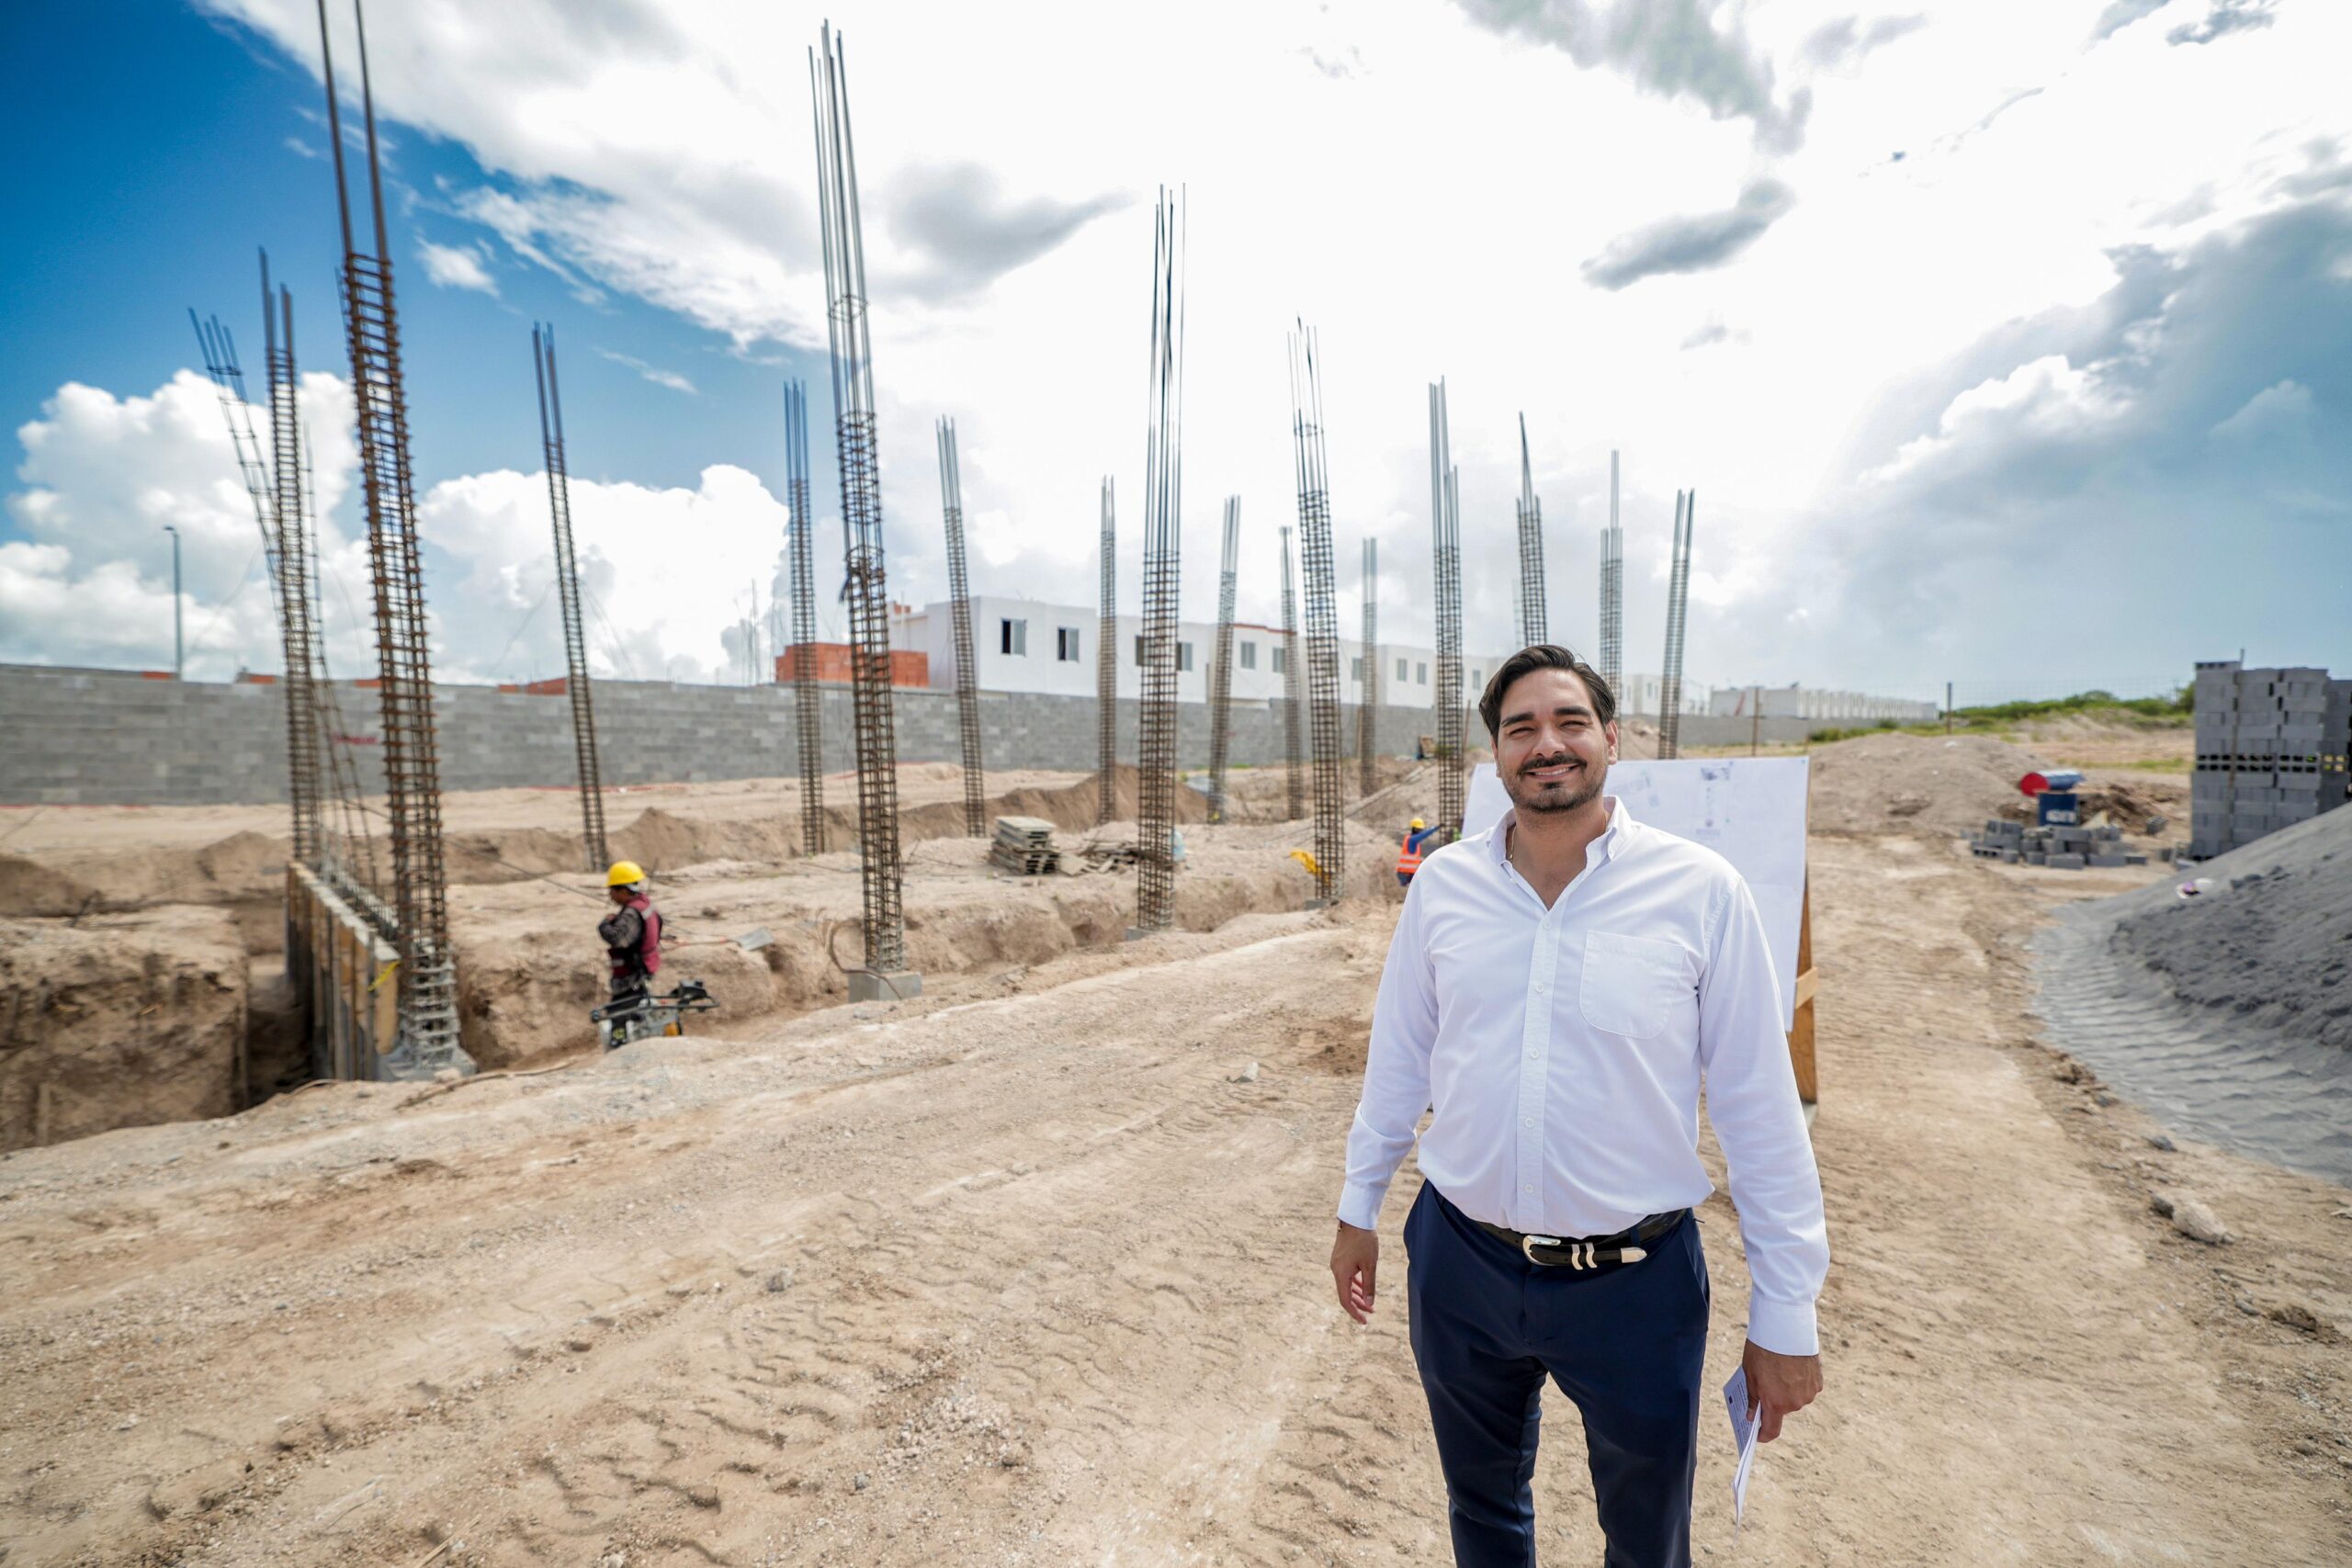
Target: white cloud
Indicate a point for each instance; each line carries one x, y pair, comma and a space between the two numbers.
1457, 177
653, 373
451, 267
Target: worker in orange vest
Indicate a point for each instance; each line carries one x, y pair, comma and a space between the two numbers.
1408, 859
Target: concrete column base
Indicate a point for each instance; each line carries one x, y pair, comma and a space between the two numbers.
872, 986
1138, 934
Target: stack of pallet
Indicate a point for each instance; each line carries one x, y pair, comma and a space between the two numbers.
2059, 847
1024, 846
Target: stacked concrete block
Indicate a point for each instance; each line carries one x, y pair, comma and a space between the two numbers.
2271, 748
2060, 848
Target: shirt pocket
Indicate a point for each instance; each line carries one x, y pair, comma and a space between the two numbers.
1631, 984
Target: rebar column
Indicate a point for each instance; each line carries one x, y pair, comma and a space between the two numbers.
1532, 618
808, 700
1612, 592
1368, 711
1445, 549
1678, 612
1322, 612
1294, 750
959, 609
848, 319
1106, 668
567, 592
428, 1006
1221, 661
1162, 536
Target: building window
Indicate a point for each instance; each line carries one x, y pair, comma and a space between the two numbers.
1248, 656
1183, 656
1474, 679
1422, 674
1355, 668
1281, 659
1014, 638
1066, 645
1400, 669
1139, 653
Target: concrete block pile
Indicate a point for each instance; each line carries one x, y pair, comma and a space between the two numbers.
2057, 847
2270, 752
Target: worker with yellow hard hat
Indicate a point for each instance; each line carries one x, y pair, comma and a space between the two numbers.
632, 933
1409, 860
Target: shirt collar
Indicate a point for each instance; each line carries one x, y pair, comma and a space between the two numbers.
1611, 843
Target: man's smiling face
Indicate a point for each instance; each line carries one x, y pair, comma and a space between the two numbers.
1552, 751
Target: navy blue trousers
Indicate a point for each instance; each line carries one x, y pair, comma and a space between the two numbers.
1624, 1343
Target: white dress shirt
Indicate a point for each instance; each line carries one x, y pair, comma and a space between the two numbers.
1562, 1050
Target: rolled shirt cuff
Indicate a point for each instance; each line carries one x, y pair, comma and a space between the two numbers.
1785, 1328
1360, 1204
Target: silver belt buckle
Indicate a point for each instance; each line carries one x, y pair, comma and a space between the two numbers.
1579, 1255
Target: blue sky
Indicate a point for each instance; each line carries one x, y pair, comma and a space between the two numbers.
2004, 342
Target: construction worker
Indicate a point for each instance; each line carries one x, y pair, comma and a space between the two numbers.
632, 933
1408, 859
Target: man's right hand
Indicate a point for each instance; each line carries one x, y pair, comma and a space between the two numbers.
1355, 1260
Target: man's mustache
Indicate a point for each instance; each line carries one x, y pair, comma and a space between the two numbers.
1534, 763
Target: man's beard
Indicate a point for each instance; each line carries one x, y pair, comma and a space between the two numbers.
1577, 790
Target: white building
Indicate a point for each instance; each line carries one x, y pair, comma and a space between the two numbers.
1813, 703
1027, 645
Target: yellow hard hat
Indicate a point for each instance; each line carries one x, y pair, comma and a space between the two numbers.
624, 874
1418, 824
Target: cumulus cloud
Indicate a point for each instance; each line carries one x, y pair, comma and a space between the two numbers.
960, 231
1691, 242
2121, 14
1843, 40
2170, 465
1671, 48
452, 267
2227, 16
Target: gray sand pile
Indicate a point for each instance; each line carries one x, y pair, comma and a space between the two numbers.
2269, 942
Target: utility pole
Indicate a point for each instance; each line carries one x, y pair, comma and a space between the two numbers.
179, 650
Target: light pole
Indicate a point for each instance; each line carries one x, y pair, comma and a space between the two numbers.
179, 650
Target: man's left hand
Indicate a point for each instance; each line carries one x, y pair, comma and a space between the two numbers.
1779, 1385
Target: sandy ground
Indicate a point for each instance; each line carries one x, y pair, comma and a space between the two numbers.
1031, 1271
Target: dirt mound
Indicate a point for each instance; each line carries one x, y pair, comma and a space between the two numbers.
119, 1021
28, 888
2271, 941
1928, 783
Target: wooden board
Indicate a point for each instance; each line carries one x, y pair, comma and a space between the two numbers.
1801, 1033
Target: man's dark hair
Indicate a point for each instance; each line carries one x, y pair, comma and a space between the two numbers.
1544, 656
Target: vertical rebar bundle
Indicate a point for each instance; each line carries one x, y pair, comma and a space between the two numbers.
1678, 613
1162, 536
1368, 711
1445, 545
1221, 665
269, 484
428, 982
1106, 668
1613, 590
869, 600
1532, 618
1322, 610
1294, 774
309, 702
959, 608
567, 592
809, 702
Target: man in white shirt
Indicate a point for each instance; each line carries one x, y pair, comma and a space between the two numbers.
1556, 991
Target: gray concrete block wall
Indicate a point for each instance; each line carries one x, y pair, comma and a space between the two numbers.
83, 736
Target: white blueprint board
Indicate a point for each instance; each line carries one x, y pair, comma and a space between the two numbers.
1750, 810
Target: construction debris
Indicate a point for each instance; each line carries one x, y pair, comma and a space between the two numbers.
1024, 846
2057, 846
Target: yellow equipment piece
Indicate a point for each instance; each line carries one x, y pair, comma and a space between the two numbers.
1418, 824
1303, 858
623, 873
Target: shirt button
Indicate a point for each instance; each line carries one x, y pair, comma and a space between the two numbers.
1527, 1120
1528, 1187
1539, 986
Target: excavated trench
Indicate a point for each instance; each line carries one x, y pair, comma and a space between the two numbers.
149, 985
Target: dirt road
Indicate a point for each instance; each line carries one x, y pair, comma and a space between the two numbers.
1036, 1277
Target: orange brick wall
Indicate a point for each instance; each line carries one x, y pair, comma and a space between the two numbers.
830, 661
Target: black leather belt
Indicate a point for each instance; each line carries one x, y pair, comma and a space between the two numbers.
1586, 1252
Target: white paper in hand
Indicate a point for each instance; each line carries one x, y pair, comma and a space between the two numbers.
1743, 1428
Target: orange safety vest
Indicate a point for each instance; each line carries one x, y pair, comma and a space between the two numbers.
1408, 859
